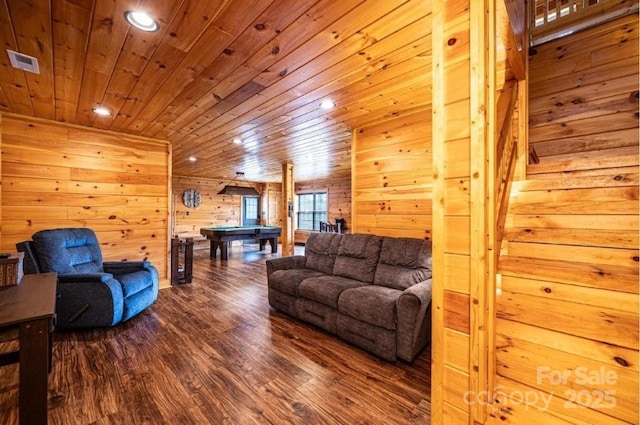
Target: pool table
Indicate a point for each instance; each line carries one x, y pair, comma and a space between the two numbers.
219, 237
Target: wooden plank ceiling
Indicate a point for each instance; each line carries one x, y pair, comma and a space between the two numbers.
223, 69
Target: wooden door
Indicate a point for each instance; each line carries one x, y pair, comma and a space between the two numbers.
275, 206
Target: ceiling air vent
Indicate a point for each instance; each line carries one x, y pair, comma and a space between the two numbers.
23, 62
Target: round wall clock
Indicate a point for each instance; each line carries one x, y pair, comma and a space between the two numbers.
191, 198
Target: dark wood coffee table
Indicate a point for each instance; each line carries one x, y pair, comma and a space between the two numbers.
28, 309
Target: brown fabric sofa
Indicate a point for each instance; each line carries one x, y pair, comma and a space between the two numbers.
372, 291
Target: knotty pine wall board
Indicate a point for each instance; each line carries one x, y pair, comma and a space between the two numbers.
214, 211
610, 96
577, 53
570, 257
619, 67
57, 175
584, 100
600, 142
339, 203
392, 177
451, 378
224, 210
620, 222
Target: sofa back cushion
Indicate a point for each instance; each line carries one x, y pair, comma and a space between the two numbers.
403, 262
358, 257
65, 251
320, 251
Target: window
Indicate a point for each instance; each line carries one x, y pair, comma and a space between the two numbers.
312, 209
251, 207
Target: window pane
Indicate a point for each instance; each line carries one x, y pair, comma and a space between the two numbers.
321, 202
251, 206
305, 202
312, 209
305, 221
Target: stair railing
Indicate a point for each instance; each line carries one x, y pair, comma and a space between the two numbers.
551, 19
506, 151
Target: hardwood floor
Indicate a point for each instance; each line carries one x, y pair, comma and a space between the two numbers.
214, 352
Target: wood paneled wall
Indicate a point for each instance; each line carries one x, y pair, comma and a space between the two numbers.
392, 177
465, 71
451, 263
57, 175
221, 210
214, 210
339, 205
567, 326
584, 101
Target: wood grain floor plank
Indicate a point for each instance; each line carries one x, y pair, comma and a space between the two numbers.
214, 352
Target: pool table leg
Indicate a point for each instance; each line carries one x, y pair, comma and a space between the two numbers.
224, 250
274, 245
213, 247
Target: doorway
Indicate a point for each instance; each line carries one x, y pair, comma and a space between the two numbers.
250, 214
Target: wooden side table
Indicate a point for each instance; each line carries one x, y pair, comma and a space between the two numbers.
11, 269
29, 309
181, 271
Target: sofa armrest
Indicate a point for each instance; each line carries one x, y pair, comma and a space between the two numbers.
414, 320
88, 300
120, 270
124, 267
285, 263
85, 277
30, 260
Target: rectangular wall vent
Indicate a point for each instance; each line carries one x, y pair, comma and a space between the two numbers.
23, 62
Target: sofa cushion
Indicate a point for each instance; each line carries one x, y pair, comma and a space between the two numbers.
287, 281
358, 257
403, 262
132, 283
326, 289
322, 316
321, 250
283, 302
136, 303
372, 304
376, 340
74, 250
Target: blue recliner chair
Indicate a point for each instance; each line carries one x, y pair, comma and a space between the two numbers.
91, 293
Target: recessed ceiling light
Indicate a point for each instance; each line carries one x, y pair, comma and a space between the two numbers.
141, 20
102, 111
237, 141
193, 159
327, 104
